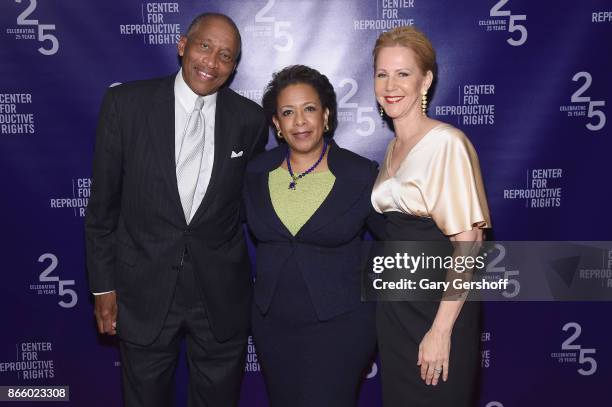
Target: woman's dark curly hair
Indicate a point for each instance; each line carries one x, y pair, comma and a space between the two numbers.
296, 74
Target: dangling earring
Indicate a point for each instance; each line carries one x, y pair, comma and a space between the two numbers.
326, 128
424, 104
279, 134
381, 111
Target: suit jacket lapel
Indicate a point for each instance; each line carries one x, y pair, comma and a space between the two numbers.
161, 130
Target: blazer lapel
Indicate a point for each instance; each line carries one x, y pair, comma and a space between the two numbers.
259, 192
345, 192
161, 130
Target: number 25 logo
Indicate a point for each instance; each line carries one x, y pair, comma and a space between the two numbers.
363, 112
496, 11
45, 277
578, 98
279, 33
22, 19
568, 344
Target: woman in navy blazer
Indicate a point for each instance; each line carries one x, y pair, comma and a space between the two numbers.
314, 336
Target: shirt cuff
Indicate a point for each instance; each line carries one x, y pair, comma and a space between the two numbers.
105, 292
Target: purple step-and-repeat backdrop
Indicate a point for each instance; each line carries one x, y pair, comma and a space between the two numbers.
529, 83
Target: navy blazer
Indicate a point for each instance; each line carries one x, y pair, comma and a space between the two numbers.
327, 249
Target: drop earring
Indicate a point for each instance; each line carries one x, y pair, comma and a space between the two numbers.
381, 111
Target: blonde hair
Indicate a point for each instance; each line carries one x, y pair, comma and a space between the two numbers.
411, 38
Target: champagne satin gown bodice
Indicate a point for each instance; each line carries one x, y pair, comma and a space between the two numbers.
439, 179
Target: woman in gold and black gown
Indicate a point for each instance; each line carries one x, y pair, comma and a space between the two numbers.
429, 188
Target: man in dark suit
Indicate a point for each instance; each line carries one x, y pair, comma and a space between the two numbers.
166, 254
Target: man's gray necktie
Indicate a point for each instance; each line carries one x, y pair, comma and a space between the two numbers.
190, 157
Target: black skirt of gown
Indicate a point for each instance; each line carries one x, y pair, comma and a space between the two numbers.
401, 326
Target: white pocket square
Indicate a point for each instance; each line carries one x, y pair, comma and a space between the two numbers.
236, 154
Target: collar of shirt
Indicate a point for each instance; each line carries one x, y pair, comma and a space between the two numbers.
184, 101
186, 97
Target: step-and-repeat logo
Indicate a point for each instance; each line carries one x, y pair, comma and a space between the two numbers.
350, 111
159, 26
498, 269
583, 107
575, 354
254, 94
33, 361
504, 20
81, 189
49, 282
275, 32
485, 351
16, 117
252, 364
543, 188
28, 28
475, 105
603, 273
601, 16
388, 16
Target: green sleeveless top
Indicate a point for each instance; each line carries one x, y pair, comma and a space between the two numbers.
295, 206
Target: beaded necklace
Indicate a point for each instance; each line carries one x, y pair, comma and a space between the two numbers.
294, 177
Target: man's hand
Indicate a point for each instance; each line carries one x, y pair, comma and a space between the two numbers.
106, 313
